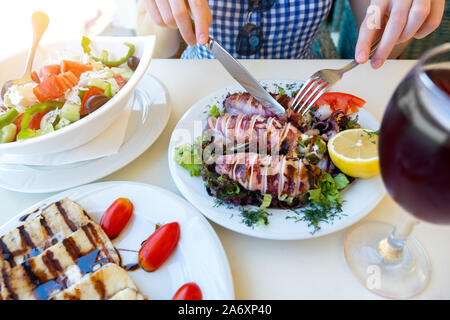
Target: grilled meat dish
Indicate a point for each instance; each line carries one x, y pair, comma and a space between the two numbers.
265, 135
275, 175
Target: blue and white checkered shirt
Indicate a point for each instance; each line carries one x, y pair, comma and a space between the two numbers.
288, 27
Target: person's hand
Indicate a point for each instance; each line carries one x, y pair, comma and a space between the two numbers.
177, 14
396, 21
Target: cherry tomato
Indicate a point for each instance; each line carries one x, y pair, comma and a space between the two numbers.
341, 101
159, 246
189, 291
116, 217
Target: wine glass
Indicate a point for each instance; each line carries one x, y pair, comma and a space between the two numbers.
414, 151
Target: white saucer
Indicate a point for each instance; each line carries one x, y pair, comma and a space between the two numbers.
148, 119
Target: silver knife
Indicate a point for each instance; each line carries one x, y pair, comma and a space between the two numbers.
245, 79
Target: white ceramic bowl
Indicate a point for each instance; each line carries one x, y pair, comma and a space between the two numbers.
89, 127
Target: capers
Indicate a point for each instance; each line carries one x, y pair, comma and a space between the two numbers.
133, 62
95, 102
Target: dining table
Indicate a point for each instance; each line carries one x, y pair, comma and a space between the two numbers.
276, 269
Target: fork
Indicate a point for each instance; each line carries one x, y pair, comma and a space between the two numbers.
320, 82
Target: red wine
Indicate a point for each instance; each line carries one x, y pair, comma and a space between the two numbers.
414, 148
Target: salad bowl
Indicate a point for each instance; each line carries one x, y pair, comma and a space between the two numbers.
87, 128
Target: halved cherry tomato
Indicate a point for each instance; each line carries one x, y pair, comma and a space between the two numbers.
189, 291
116, 217
159, 246
76, 68
35, 77
48, 70
93, 91
119, 79
341, 101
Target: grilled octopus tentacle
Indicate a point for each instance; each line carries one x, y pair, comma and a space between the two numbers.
265, 135
275, 175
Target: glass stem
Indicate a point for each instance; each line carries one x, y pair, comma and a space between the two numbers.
391, 248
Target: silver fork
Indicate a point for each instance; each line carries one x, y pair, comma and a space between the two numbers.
320, 82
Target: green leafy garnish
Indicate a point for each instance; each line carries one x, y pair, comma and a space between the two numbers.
341, 181
325, 201
328, 188
189, 157
214, 111
252, 218
257, 217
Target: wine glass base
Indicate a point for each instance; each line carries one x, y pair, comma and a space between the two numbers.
399, 278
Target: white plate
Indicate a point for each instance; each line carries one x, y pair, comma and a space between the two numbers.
359, 198
199, 255
148, 119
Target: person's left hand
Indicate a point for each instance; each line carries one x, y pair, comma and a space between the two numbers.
398, 21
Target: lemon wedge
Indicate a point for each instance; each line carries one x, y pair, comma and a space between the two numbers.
355, 152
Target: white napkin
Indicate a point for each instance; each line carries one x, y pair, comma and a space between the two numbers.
105, 144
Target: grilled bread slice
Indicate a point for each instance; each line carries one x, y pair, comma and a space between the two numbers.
128, 294
57, 222
62, 254
109, 281
60, 265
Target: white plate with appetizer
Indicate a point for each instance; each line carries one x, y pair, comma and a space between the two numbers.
113, 240
149, 116
285, 184
77, 89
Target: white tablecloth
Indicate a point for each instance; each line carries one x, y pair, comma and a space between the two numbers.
265, 269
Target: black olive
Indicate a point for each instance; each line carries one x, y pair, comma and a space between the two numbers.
95, 102
133, 62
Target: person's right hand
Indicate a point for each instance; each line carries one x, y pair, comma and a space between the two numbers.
177, 14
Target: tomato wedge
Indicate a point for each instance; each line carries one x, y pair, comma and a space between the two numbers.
189, 291
93, 91
159, 246
119, 79
48, 70
77, 68
341, 101
70, 80
35, 121
50, 88
116, 217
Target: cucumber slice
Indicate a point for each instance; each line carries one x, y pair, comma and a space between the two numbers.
126, 73
8, 133
63, 122
99, 83
45, 130
71, 112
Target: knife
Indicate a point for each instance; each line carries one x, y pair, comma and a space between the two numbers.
245, 79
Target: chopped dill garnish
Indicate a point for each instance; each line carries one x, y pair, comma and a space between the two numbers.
315, 213
252, 218
325, 202
372, 133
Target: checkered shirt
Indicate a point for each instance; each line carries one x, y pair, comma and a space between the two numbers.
288, 27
